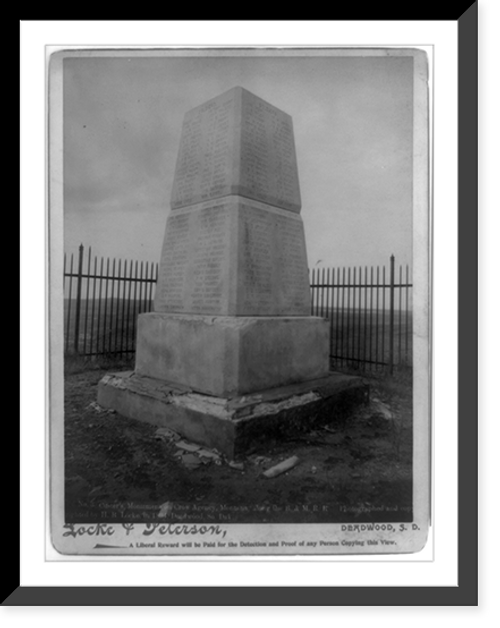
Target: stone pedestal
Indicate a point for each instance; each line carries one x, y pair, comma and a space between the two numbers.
231, 355
232, 302
234, 425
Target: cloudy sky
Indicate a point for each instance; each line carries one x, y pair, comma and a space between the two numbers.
352, 117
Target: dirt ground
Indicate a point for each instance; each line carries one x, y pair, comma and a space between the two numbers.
121, 470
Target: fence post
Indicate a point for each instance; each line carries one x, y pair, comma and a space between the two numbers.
391, 318
78, 299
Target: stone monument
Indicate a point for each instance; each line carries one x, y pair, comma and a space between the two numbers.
231, 350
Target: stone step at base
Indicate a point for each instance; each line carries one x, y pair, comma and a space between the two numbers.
237, 424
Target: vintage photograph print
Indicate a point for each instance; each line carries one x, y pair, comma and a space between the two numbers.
239, 301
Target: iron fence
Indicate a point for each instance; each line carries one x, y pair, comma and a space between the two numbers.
102, 300
370, 315
369, 309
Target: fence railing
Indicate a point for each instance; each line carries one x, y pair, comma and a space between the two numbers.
102, 300
370, 314
369, 309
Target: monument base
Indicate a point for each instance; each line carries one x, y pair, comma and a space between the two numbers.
232, 355
233, 425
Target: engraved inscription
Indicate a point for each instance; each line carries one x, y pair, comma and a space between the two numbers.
292, 263
207, 266
257, 262
219, 156
193, 277
236, 145
205, 156
173, 265
274, 276
268, 164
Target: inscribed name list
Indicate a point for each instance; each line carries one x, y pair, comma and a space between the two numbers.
234, 258
194, 267
235, 242
237, 144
